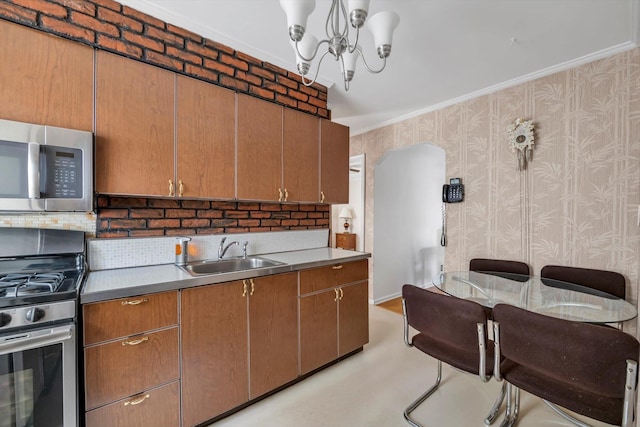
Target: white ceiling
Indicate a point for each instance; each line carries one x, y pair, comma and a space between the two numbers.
443, 50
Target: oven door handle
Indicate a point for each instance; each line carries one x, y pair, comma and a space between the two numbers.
35, 339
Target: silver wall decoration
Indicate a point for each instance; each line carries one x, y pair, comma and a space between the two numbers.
521, 140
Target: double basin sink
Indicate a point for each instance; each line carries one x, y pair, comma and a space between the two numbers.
231, 265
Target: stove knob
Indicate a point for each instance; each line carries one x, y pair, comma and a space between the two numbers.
5, 319
34, 314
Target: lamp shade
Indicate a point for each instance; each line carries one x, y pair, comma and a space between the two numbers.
358, 5
349, 62
345, 213
297, 13
382, 25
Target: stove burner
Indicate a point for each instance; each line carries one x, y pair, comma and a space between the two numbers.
15, 285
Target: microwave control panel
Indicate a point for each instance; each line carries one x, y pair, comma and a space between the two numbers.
61, 176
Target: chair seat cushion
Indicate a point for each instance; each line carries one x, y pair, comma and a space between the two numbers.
567, 395
454, 356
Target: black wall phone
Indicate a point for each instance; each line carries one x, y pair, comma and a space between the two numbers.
453, 192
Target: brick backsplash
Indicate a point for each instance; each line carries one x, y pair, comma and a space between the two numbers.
110, 26
135, 217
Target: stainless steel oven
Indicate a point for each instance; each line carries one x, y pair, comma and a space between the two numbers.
45, 168
41, 272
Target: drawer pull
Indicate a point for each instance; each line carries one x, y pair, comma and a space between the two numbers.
341, 294
135, 342
135, 301
137, 400
336, 292
337, 267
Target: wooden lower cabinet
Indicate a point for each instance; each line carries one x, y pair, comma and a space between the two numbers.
334, 313
159, 407
221, 368
131, 350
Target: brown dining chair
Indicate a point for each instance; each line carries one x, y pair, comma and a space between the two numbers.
606, 281
500, 267
588, 369
451, 330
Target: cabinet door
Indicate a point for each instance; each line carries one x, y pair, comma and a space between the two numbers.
259, 139
301, 154
334, 162
205, 147
45, 79
134, 127
318, 330
353, 320
273, 320
214, 351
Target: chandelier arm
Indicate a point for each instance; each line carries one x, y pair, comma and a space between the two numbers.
355, 44
315, 52
364, 61
345, 15
329, 23
317, 71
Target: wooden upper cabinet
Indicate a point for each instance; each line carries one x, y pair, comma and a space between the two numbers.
205, 139
334, 162
134, 127
45, 79
301, 157
259, 145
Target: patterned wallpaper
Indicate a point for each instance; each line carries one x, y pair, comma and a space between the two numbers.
576, 203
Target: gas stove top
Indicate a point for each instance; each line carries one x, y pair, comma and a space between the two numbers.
41, 272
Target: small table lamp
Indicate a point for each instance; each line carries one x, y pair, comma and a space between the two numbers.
345, 214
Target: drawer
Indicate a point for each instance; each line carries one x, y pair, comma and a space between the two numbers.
128, 366
158, 407
104, 321
317, 279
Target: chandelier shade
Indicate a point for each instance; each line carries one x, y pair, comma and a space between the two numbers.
338, 42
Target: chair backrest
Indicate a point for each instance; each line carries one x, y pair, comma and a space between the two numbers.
603, 280
449, 325
485, 265
577, 356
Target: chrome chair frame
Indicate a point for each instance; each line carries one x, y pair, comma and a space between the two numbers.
513, 398
481, 369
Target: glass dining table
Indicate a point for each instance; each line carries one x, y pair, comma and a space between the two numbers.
538, 294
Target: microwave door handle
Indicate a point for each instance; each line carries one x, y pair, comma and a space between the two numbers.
33, 170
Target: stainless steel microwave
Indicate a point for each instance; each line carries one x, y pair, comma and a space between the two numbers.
45, 168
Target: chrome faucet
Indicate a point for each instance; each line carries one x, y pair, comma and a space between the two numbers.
222, 249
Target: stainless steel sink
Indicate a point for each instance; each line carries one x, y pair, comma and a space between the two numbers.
199, 268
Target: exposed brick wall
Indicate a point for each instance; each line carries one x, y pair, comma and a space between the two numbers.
108, 25
133, 217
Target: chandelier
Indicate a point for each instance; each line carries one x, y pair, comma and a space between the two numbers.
307, 47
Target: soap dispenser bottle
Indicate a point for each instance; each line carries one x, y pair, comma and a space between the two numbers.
182, 250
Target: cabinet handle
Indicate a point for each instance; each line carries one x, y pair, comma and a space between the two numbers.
244, 288
253, 287
180, 188
135, 301
135, 342
322, 197
136, 400
171, 191
341, 294
336, 291
279, 194
337, 267
286, 194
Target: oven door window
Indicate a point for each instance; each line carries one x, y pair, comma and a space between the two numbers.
31, 389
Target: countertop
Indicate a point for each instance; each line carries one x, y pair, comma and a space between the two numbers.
127, 282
